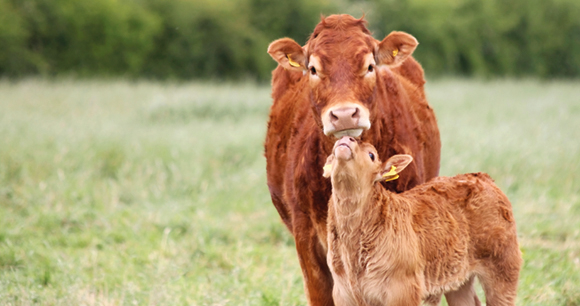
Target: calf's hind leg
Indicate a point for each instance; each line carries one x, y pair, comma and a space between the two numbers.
465, 295
500, 284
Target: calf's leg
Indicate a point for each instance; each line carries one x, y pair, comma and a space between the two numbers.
500, 278
499, 290
465, 295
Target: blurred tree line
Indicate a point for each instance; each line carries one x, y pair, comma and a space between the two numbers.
184, 39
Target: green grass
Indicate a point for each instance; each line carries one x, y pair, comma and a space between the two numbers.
143, 193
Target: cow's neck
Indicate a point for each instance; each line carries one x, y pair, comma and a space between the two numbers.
384, 122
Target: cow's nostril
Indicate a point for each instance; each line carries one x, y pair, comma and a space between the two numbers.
351, 139
333, 117
356, 113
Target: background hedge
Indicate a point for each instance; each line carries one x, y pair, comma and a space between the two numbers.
185, 39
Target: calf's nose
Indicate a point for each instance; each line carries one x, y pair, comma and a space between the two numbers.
346, 140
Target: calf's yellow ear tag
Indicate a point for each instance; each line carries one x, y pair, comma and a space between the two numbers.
291, 62
395, 52
327, 168
391, 172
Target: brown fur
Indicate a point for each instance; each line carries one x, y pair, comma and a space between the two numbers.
399, 249
296, 147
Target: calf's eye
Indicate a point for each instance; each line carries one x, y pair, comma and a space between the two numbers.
372, 156
371, 68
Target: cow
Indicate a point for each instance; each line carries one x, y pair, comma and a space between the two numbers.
342, 82
386, 248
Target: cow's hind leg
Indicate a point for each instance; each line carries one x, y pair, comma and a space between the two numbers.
465, 295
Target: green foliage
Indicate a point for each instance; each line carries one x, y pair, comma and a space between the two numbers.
185, 39
203, 38
15, 58
295, 19
489, 38
208, 38
104, 37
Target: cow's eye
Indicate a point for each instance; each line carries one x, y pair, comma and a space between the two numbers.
371, 68
312, 70
372, 156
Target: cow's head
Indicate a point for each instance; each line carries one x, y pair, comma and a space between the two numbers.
341, 59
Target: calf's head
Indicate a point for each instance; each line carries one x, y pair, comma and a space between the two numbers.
354, 165
341, 59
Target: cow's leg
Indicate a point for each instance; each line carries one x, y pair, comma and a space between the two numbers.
281, 207
312, 255
465, 295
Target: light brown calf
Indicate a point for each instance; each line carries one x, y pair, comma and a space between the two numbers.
386, 248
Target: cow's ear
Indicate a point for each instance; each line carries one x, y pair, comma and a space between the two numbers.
393, 166
395, 49
288, 53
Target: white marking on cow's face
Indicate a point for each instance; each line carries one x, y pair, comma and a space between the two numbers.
351, 133
314, 69
345, 119
369, 67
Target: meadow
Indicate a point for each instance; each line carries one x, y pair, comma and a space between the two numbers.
118, 192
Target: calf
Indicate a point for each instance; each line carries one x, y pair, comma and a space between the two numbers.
386, 248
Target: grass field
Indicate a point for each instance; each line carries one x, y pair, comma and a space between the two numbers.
142, 193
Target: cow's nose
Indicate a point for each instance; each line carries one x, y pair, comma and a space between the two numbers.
344, 118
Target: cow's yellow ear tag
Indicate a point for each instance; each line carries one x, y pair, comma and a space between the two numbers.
291, 62
395, 52
392, 173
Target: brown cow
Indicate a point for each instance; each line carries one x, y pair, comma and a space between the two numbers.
386, 248
342, 82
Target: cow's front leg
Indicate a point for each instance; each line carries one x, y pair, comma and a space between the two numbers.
312, 255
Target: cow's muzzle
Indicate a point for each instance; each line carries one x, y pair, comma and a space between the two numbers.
346, 120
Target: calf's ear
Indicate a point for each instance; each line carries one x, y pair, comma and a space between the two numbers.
327, 169
395, 49
288, 53
393, 166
